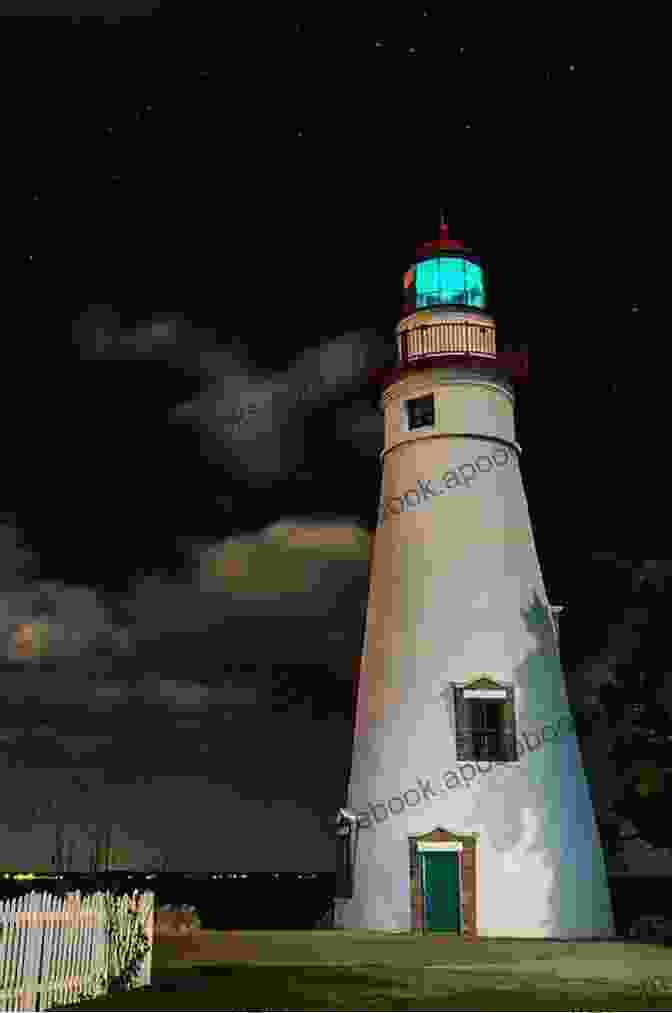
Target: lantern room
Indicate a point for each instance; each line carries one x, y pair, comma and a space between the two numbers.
446, 280
445, 273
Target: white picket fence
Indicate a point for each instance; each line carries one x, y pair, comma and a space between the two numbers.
54, 948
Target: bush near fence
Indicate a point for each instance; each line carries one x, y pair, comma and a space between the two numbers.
173, 920
57, 950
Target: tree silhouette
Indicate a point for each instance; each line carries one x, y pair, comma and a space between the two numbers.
635, 714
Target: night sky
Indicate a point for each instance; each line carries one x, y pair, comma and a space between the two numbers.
206, 228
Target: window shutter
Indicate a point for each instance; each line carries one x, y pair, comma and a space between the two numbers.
463, 738
509, 726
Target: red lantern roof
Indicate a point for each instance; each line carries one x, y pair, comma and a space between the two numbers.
441, 245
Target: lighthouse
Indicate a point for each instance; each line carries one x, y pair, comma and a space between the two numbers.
468, 809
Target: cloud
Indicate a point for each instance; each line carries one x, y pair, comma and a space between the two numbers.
186, 695
166, 337
259, 420
56, 620
292, 569
338, 363
260, 628
254, 420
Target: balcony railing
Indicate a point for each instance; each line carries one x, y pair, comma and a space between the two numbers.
444, 338
467, 342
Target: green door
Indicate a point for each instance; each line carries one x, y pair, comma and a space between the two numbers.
441, 879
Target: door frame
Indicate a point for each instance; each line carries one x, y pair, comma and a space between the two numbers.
468, 878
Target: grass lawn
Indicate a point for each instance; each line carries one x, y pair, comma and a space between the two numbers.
336, 970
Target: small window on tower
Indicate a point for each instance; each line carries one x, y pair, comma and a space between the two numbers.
485, 728
420, 412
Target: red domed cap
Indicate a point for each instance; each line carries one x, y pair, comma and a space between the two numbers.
440, 245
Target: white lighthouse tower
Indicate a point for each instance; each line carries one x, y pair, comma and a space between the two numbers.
468, 804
